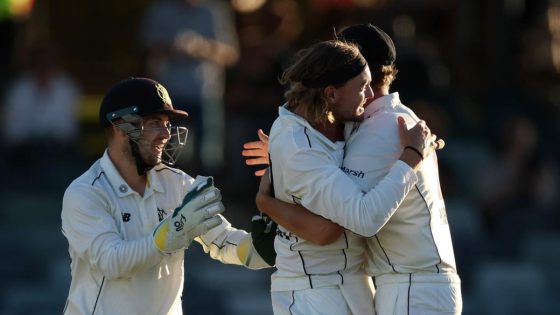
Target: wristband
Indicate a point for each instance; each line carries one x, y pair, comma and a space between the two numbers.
415, 150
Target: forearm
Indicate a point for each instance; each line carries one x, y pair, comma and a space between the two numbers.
122, 259
299, 220
222, 241
364, 213
224, 54
95, 239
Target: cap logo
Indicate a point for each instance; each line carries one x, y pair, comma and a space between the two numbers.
162, 92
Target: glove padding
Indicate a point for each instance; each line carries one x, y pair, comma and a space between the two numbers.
196, 215
263, 232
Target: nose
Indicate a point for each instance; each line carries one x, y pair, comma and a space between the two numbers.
369, 93
165, 132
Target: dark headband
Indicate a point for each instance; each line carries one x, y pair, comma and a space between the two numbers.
339, 76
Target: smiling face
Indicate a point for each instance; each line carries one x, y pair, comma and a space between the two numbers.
155, 135
347, 101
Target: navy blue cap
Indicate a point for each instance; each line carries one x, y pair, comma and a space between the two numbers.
141, 96
375, 45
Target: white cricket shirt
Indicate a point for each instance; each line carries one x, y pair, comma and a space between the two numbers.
306, 170
115, 267
416, 238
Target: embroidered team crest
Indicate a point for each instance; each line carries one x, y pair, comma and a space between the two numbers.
123, 188
162, 92
161, 214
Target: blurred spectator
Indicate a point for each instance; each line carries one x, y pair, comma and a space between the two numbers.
502, 175
517, 188
189, 44
40, 114
267, 37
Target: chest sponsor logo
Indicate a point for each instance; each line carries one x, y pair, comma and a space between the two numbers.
125, 216
359, 174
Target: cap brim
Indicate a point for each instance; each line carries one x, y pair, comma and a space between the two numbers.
174, 113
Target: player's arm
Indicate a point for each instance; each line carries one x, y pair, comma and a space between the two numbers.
233, 246
256, 152
222, 48
295, 218
298, 220
226, 243
93, 234
326, 190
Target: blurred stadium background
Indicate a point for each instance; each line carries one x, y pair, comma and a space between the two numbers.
484, 74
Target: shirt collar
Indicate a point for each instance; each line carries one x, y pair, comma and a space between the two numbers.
283, 111
120, 185
154, 180
391, 100
115, 179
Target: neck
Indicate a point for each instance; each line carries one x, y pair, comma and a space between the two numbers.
125, 164
333, 131
380, 91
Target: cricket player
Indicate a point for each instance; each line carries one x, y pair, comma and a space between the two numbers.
129, 218
411, 257
329, 84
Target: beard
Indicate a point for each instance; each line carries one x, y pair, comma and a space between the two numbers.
143, 156
149, 155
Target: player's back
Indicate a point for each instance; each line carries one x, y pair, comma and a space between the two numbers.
417, 237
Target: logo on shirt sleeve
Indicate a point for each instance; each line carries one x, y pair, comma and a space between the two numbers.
359, 174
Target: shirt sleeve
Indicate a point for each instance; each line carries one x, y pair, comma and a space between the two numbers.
222, 241
322, 187
93, 234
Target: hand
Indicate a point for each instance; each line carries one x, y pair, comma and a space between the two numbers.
196, 215
258, 151
419, 138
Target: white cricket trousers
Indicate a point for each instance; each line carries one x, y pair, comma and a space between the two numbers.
347, 299
418, 294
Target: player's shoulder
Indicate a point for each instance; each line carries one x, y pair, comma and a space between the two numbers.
289, 133
388, 117
297, 139
90, 178
166, 169
382, 122
91, 186
93, 178
166, 173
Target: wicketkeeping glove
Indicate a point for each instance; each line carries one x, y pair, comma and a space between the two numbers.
256, 251
196, 215
263, 232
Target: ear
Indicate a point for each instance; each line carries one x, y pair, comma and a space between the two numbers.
330, 94
118, 132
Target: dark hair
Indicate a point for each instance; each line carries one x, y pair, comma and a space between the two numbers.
378, 49
331, 62
383, 75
